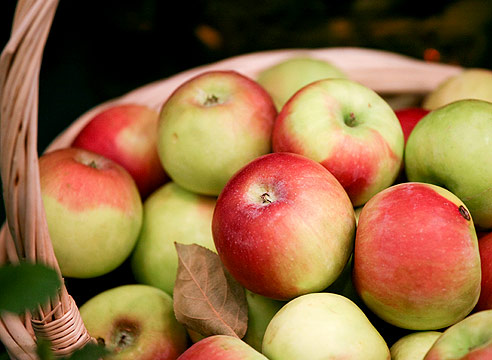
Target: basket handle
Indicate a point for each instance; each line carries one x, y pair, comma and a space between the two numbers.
25, 235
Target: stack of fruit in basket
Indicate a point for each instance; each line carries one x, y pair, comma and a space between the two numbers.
292, 216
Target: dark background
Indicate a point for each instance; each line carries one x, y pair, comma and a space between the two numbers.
98, 50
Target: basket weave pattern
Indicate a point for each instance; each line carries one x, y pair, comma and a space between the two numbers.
25, 235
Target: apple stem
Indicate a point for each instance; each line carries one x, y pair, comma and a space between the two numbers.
350, 120
266, 198
211, 100
92, 164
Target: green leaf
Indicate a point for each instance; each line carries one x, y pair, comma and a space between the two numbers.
43, 349
89, 352
26, 285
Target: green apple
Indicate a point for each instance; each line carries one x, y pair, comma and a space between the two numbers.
469, 84
414, 346
469, 339
283, 79
322, 326
93, 209
261, 310
349, 129
170, 214
211, 126
135, 322
221, 347
451, 147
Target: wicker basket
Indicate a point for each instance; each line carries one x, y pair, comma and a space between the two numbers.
25, 235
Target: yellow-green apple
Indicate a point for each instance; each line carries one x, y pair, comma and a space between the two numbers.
409, 117
451, 147
416, 258
127, 134
170, 214
472, 83
414, 346
135, 322
485, 248
469, 339
261, 310
349, 129
283, 226
93, 210
211, 126
221, 347
283, 79
322, 326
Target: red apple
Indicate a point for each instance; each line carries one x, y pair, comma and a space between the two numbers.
349, 129
221, 347
485, 248
416, 259
127, 134
284, 226
93, 209
409, 117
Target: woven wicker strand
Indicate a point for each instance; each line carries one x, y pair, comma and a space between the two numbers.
26, 237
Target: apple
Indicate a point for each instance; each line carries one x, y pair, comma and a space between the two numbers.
170, 214
409, 117
261, 310
211, 126
349, 129
322, 326
284, 78
135, 322
451, 147
485, 248
416, 257
414, 346
469, 339
472, 83
283, 226
221, 347
93, 210
127, 134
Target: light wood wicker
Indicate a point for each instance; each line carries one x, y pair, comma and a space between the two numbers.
25, 236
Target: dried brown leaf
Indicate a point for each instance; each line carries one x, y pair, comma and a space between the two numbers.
207, 299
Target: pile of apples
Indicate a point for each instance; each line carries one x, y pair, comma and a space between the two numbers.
350, 228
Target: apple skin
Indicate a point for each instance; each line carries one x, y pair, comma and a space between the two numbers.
211, 126
170, 214
127, 134
221, 347
283, 226
322, 326
349, 129
261, 310
93, 210
469, 339
473, 83
450, 147
414, 346
284, 79
135, 322
485, 248
416, 259
409, 117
